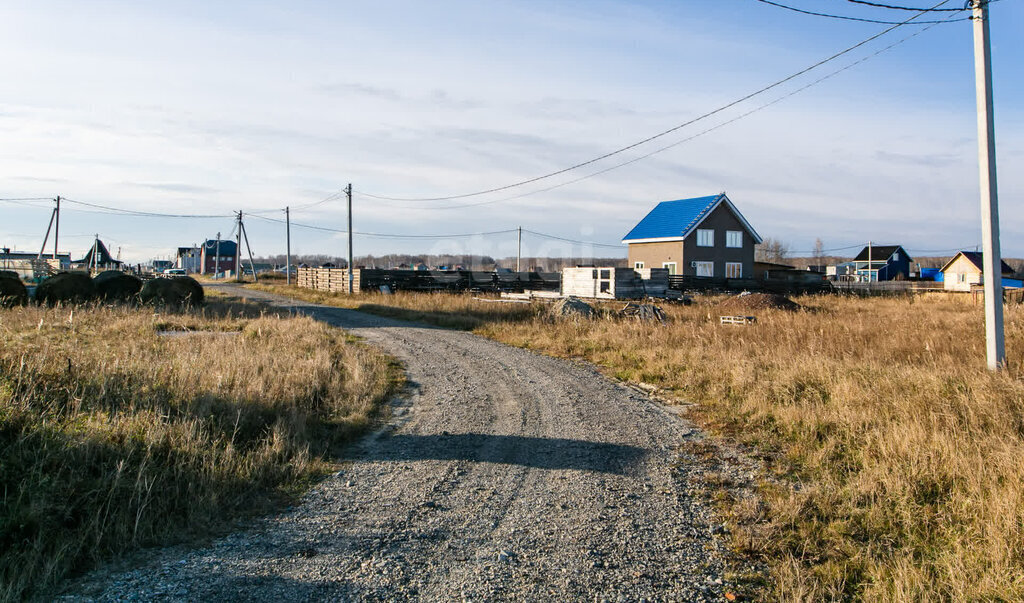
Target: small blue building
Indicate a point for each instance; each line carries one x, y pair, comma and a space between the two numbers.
882, 263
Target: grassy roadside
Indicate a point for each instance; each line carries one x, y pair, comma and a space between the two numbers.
122, 428
893, 461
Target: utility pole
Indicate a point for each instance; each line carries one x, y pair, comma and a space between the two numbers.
49, 227
519, 253
995, 346
238, 249
348, 192
252, 264
96, 253
288, 246
216, 257
869, 263
56, 228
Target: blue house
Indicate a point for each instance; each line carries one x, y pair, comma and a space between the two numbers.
882, 263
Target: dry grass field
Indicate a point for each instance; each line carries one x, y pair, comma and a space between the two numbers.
122, 428
893, 462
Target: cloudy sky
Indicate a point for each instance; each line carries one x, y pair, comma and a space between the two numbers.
209, 107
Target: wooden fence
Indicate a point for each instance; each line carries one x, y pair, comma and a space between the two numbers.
374, 279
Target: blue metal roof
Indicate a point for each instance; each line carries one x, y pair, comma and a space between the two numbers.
673, 219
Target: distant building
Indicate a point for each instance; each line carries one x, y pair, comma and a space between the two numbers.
98, 258
966, 269
217, 255
188, 259
882, 263
29, 264
844, 271
703, 236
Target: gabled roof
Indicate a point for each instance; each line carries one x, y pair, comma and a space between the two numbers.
880, 253
227, 247
975, 258
98, 250
675, 220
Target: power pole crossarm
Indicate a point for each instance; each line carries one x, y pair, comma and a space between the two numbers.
992, 258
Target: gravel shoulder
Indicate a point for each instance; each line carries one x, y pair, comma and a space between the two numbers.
502, 474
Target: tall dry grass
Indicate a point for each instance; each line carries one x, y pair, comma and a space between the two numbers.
114, 436
894, 462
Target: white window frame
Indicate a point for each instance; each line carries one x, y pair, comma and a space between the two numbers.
739, 269
709, 265
638, 265
734, 239
705, 237
674, 267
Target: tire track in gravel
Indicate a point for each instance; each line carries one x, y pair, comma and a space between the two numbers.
502, 475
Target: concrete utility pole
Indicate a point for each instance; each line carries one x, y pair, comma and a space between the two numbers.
991, 259
238, 250
216, 257
288, 246
869, 262
519, 254
56, 228
348, 192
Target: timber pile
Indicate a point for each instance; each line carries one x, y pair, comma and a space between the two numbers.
329, 279
643, 312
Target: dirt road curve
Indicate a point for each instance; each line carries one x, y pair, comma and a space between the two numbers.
503, 475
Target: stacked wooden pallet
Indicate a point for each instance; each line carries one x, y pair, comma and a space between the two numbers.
327, 279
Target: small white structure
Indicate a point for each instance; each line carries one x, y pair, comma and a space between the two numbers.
964, 270
606, 282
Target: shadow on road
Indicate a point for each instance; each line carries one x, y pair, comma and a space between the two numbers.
538, 453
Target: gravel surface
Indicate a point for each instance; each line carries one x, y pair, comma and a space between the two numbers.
502, 474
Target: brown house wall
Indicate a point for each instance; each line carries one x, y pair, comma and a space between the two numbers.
653, 255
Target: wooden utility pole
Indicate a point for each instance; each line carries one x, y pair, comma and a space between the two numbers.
288, 246
519, 253
348, 192
238, 249
992, 258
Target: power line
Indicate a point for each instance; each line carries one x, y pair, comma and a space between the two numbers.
592, 243
390, 235
860, 19
688, 139
908, 8
133, 212
663, 133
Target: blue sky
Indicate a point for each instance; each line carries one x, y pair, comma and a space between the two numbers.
209, 107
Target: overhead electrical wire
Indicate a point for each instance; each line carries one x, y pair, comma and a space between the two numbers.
665, 132
907, 8
133, 212
679, 142
860, 19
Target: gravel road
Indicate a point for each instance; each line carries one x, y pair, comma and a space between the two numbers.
503, 474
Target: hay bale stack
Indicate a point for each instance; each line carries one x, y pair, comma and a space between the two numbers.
572, 307
66, 287
177, 291
12, 292
114, 285
9, 274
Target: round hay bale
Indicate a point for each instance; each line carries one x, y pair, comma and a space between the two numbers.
572, 307
66, 287
114, 285
10, 274
759, 301
12, 292
177, 291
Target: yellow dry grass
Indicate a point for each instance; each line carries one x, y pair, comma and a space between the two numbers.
893, 461
114, 434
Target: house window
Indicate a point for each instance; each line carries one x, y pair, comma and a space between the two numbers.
734, 238
733, 270
606, 286
705, 237
638, 265
606, 273
896, 256
705, 268
671, 267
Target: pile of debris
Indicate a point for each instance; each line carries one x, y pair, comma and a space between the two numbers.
572, 307
759, 301
643, 312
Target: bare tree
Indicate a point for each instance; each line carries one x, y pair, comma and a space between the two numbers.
771, 250
819, 251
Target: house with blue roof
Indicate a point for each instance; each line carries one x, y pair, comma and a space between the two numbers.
702, 236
